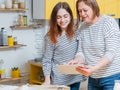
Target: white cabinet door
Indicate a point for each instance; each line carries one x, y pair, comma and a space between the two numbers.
38, 9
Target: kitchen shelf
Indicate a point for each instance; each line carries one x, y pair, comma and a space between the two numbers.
12, 10
33, 26
5, 80
11, 47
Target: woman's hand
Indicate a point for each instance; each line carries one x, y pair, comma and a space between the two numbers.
86, 70
46, 83
76, 60
47, 80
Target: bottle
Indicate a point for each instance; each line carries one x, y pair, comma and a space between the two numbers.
1, 39
2, 69
4, 37
25, 20
15, 41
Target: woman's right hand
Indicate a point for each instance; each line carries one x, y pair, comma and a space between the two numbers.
46, 83
76, 60
72, 62
47, 80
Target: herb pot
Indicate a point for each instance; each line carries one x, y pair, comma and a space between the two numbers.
15, 73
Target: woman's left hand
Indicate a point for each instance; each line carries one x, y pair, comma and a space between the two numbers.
86, 70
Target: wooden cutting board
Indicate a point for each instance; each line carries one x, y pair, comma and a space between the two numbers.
68, 69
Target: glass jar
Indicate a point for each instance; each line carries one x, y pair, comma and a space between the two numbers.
2, 5
25, 20
8, 3
15, 5
20, 20
14, 1
21, 4
15, 41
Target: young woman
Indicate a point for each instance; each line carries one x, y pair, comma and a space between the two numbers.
60, 47
100, 46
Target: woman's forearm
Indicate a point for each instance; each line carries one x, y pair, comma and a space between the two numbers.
102, 63
47, 80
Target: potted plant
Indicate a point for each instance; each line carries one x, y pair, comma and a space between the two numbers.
15, 72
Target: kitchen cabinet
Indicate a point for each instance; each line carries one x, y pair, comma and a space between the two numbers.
42, 8
36, 73
109, 7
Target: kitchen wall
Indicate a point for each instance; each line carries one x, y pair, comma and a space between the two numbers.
33, 38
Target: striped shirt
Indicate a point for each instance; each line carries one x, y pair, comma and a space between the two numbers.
98, 40
61, 52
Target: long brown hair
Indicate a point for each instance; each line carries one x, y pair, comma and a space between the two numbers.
93, 4
55, 30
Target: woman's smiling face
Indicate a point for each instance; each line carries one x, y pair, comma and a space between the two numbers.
63, 18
